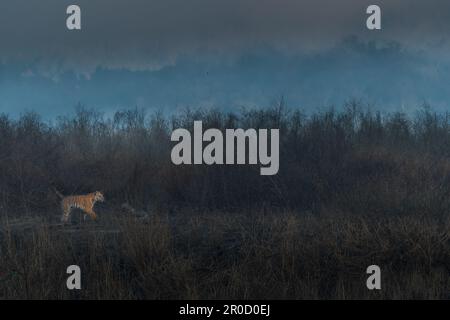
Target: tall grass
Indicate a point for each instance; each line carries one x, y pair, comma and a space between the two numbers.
352, 160
355, 188
230, 255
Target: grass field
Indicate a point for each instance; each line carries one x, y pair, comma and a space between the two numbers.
355, 188
226, 255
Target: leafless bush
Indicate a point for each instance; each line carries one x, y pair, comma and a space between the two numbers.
348, 159
354, 188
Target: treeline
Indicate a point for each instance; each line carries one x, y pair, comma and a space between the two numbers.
353, 160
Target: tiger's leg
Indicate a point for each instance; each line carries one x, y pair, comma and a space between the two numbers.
66, 213
91, 213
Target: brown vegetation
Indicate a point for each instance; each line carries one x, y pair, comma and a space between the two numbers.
355, 188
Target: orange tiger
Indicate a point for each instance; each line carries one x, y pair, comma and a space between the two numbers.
83, 202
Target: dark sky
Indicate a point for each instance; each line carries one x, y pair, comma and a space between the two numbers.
224, 53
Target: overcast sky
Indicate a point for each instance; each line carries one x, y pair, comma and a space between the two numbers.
151, 35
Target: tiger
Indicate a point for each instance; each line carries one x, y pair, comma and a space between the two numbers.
83, 202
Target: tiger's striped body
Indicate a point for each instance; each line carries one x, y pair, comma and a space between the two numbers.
82, 202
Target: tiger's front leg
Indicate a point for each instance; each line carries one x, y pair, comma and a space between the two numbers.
92, 214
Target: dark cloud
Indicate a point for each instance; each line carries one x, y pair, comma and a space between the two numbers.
143, 34
222, 53
385, 75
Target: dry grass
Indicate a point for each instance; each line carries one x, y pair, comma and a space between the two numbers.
215, 255
355, 188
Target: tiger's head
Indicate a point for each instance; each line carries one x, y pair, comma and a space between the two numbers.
98, 196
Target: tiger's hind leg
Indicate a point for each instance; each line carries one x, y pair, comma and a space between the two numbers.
66, 214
